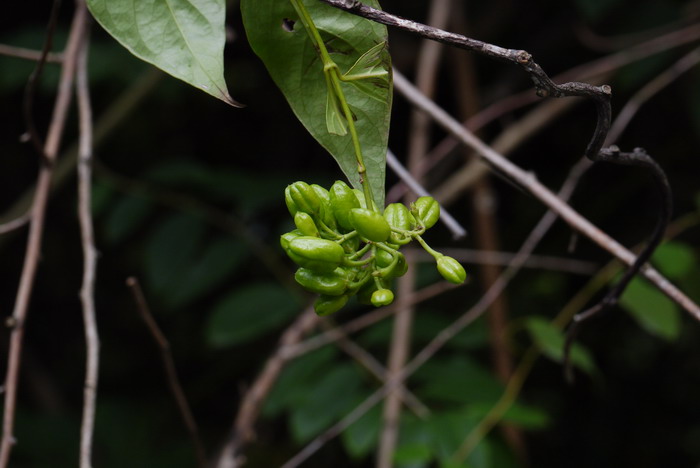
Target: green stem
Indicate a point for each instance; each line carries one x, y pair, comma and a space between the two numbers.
429, 249
330, 68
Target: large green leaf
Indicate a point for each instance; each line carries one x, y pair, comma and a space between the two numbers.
249, 312
278, 37
184, 38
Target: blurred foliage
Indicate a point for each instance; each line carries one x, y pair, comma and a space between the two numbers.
188, 197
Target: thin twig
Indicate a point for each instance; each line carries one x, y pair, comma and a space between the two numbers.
31, 257
29, 54
489, 257
170, 370
87, 291
15, 223
33, 81
366, 360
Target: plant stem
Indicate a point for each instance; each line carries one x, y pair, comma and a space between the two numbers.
330, 69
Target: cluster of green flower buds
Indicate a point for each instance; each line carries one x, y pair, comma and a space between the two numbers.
344, 247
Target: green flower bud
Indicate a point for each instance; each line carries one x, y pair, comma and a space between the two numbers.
398, 217
326, 211
451, 270
305, 223
343, 199
333, 283
382, 297
370, 224
287, 237
326, 305
427, 210
300, 196
315, 254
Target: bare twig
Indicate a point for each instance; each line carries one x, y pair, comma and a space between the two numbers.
36, 230
29, 54
170, 369
87, 291
15, 223
541, 262
33, 81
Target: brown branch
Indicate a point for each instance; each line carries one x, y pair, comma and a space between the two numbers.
33, 81
170, 369
15, 223
36, 230
29, 54
490, 257
87, 291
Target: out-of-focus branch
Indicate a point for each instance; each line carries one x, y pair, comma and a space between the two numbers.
170, 369
38, 211
87, 291
29, 54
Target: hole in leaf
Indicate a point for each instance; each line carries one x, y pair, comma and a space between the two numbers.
288, 25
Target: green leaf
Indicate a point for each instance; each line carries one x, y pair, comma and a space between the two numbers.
184, 38
296, 68
361, 437
550, 340
328, 399
126, 216
248, 313
653, 311
457, 380
170, 250
521, 415
413, 453
674, 259
291, 388
207, 270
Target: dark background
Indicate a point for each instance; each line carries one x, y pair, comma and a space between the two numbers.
180, 153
